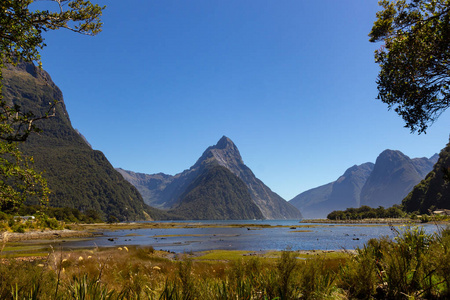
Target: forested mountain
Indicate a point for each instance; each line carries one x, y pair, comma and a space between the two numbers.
434, 190
381, 184
78, 176
217, 194
167, 191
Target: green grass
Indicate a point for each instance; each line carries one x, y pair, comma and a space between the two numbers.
413, 265
222, 255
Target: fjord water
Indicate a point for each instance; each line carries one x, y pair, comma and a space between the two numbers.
305, 236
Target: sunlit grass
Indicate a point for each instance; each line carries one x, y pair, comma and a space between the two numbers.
222, 255
412, 265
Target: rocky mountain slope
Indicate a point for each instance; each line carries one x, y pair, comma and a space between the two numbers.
434, 190
165, 191
393, 177
384, 183
217, 194
340, 194
78, 176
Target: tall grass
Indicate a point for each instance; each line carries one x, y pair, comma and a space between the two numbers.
412, 265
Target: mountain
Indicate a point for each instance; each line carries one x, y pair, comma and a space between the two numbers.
434, 190
165, 191
384, 183
337, 195
393, 177
217, 194
78, 176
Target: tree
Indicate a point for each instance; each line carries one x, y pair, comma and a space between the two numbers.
21, 30
21, 38
18, 181
414, 78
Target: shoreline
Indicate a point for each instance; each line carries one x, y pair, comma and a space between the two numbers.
7, 237
364, 221
101, 229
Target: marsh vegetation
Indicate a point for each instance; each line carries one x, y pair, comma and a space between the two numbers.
412, 265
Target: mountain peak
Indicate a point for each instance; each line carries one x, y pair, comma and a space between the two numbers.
224, 143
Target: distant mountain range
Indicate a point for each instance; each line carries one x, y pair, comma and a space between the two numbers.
218, 186
78, 176
384, 183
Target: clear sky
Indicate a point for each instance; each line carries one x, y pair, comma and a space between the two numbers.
291, 82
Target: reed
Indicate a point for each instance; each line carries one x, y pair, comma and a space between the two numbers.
413, 265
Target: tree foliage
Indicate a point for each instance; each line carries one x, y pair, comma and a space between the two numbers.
21, 39
22, 28
414, 79
18, 181
366, 212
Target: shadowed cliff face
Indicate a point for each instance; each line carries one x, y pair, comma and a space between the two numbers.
347, 189
78, 176
338, 195
393, 177
225, 154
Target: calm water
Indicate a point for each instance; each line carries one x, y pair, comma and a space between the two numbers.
318, 237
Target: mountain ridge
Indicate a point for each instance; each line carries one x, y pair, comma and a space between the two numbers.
225, 154
363, 186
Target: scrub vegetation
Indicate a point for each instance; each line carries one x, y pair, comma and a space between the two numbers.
412, 265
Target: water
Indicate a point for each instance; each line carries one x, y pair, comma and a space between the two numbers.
319, 236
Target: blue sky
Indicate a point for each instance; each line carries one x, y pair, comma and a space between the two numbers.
291, 82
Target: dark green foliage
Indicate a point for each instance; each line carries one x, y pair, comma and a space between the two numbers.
77, 176
66, 214
20, 40
434, 190
366, 212
414, 60
21, 28
217, 194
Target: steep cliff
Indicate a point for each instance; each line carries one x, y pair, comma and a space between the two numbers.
78, 176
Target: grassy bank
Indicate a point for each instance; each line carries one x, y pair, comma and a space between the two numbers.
413, 265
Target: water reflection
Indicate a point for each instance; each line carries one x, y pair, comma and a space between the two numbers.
305, 236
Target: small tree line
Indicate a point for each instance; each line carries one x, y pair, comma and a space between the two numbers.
367, 212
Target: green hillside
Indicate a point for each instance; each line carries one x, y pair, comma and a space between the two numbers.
217, 194
434, 190
78, 176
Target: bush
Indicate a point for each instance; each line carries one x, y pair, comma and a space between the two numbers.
44, 222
